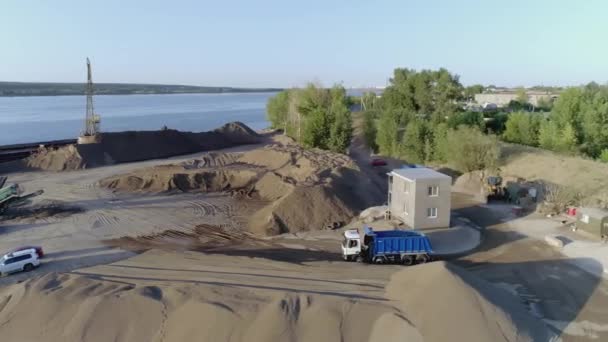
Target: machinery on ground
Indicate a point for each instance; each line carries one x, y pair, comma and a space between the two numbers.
390, 246
12, 194
494, 188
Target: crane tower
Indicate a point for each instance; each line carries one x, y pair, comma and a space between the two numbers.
91, 130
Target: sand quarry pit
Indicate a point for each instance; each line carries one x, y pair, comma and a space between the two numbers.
304, 189
213, 297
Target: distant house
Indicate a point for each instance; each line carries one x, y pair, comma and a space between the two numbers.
420, 197
504, 97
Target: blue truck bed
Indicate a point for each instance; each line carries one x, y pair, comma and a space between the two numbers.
390, 242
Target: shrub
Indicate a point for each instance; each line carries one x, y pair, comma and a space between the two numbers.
469, 149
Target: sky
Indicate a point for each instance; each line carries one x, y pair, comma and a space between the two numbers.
272, 43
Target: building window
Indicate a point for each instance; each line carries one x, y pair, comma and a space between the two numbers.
405, 212
431, 212
406, 187
433, 191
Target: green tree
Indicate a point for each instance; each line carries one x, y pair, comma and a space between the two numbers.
567, 110
341, 131
369, 129
414, 140
468, 119
567, 141
440, 142
521, 96
469, 149
548, 135
387, 137
545, 104
471, 91
522, 128
316, 129
594, 125
277, 108
368, 101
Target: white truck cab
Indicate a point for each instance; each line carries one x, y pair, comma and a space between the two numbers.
351, 245
24, 260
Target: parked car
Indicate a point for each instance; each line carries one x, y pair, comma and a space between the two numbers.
38, 250
378, 162
24, 260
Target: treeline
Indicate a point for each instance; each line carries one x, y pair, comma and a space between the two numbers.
418, 118
577, 123
56, 89
313, 116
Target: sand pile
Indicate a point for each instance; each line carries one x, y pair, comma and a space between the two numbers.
447, 303
471, 183
305, 189
84, 308
163, 296
122, 147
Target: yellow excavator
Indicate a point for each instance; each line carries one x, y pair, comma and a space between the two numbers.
494, 188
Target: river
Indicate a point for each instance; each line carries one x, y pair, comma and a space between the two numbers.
42, 118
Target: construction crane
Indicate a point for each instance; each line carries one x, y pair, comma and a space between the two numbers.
92, 120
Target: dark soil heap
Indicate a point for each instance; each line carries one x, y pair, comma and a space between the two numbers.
131, 146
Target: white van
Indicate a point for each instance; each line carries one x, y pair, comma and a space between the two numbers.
24, 260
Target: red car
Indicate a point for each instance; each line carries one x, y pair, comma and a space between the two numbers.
378, 162
38, 249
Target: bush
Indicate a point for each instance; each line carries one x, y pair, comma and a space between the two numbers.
276, 109
522, 128
466, 118
469, 149
604, 156
558, 198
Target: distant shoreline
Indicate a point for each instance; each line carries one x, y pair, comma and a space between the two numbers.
29, 89
131, 94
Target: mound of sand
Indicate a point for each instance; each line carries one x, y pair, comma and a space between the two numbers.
83, 307
163, 296
586, 176
305, 189
471, 183
122, 147
447, 303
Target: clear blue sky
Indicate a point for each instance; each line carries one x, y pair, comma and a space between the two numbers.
285, 43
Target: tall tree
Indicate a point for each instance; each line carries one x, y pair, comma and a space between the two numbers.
387, 138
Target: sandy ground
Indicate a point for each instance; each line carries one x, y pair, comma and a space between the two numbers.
77, 240
292, 287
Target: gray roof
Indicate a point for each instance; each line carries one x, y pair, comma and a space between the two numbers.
419, 173
594, 212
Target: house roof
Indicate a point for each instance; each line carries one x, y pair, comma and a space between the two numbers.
594, 212
419, 173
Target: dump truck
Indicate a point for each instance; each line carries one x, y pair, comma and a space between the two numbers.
12, 194
407, 247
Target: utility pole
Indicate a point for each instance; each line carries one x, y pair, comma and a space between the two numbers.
91, 127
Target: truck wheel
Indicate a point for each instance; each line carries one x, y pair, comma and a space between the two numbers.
28, 267
379, 260
345, 257
359, 259
422, 259
407, 260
